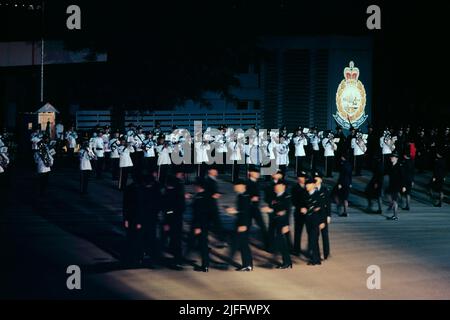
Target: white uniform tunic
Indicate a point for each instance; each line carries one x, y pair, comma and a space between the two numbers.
71, 137
357, 150
98, 147
59, 128
315, 140
300, 143
236, 150
221, 146
125, 158
329, 147
85, 159
164, 155
138, 140
384, 146
201, 152
150, 148
270, 149
105, 138
114, 147
282, 153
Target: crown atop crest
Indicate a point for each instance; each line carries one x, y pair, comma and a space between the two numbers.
351, 73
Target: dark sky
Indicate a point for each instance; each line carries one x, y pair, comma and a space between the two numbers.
411, 55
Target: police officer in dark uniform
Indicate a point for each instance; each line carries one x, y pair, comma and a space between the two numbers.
243, 225
299, 197
407, 177
395, 184
134, 222
313, 221
325, 213
281, 205
269, 196
342, 189
438, 179
152, 205
212, 190
375, 186
253, 190
201, 207
421, 150
174, 205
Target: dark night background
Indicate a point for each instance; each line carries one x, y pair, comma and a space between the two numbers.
163, 52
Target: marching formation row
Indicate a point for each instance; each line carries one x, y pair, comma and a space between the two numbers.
159, 167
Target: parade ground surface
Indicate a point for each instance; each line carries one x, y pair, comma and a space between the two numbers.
40, 238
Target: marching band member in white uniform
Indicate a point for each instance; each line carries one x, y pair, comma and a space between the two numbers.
71, 138
125, 163
86, 155
282, 154
99, 151
164, 161
358, 145
106, 138
314, 140
36, 136
148, 146
300, 141
235, 151
44, 161
387, 144
329, 147
114, 144
221, 149
201, 156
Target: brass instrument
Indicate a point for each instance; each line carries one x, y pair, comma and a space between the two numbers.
44, 154
4, 160
360, 142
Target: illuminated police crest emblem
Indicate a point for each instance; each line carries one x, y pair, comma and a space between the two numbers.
350, 99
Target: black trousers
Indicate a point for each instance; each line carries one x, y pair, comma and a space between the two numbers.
271, 232
216, 223
313, 240
84, 180
315, 159
329, 165
299, 223
299, 164
202, 169
70, 157
256, 215
115, 168
202, 241
358, 162
163, 172
175, 236
123, 176
244, 247
107, 161
138, 160
99, 167
149, 165
235, 170
43, 183
283, 246
325, 241
151, 243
